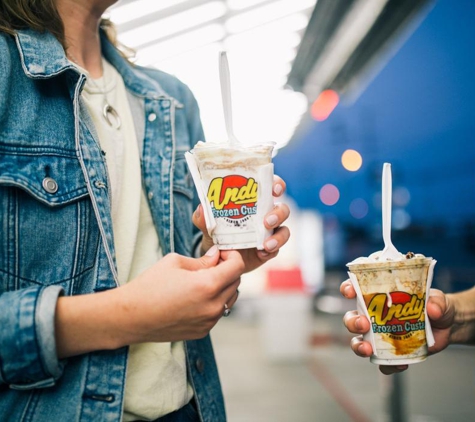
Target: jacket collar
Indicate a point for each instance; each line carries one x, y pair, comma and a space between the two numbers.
41, 53
43, 57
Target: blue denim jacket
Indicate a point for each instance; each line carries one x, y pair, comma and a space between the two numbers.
56, 230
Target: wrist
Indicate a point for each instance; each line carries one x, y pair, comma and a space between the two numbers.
129, 313
463, 327
91, 322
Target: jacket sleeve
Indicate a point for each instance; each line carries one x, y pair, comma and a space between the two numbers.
28, 357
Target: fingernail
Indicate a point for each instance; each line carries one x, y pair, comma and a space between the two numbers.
212, 251
271, 244
346, 291
358, 323
359, 349
272, 219
278, 189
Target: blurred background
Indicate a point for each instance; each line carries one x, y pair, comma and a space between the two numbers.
341, 86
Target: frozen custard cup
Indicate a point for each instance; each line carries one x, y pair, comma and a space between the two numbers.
393, 296
234, 183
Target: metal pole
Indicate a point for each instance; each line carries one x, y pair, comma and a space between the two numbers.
396, 399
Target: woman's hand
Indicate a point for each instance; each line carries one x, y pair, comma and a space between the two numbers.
441, 312
254, 258
178, 298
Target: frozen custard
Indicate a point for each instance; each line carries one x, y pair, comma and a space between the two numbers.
393, 294
234, 182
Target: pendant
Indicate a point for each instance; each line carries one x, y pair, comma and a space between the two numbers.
111, 116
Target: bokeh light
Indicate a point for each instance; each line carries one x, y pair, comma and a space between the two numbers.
400, 219
359, 208
324, 105
351, 160
401, 197
329, 194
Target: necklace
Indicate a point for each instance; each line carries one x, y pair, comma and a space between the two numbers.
109, 113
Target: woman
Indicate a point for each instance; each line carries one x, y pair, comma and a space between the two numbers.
95, 207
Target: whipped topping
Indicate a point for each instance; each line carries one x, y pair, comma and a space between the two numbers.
225, 155
375, 257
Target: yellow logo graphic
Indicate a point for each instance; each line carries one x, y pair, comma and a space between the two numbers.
381, 314
224, 192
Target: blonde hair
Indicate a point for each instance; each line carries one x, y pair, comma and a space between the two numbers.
41, 16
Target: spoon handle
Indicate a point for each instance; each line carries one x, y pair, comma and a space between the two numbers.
386, 200
225, 80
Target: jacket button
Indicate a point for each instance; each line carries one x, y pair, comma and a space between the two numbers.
152, 117
200, 365
50, 185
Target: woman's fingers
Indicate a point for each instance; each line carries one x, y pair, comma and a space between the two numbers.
279, 238
347, 290
356, 323
277, 216
360, 347
232, 294
278, 187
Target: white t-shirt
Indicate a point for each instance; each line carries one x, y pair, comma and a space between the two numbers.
156, 382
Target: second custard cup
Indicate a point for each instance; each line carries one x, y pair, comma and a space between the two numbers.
393, 296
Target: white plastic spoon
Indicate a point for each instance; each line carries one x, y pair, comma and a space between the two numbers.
226, 95
389, 252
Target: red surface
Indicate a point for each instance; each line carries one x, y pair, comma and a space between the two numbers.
285, 280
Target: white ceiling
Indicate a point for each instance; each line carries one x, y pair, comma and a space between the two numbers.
261, 37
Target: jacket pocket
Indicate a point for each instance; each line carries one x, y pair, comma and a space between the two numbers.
49, 234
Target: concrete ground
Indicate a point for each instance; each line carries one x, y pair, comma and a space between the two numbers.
325, 381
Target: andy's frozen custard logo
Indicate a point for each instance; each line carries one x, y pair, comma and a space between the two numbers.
400, 314
233, 196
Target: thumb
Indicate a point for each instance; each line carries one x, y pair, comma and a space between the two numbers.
198, 218
199, 221
209, 259
230, 267
439, 310
225, 270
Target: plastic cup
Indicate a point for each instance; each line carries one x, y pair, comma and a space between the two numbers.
393, 296
234, 183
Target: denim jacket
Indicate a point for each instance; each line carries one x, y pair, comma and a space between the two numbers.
56, 231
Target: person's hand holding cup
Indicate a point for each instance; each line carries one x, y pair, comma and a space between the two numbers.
237, 186
392, 315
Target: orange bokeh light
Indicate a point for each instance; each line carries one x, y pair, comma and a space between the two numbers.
351, 160
324, 105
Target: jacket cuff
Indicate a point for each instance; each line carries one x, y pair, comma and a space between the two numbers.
28, 357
